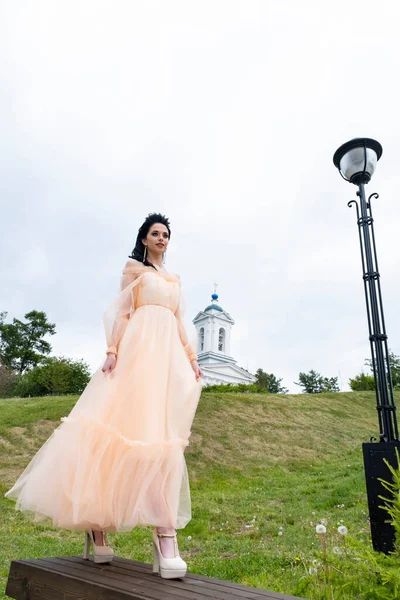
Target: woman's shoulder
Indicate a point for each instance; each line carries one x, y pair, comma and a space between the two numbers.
175, 276
133, 261
133, 266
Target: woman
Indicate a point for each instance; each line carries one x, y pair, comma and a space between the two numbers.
117, 460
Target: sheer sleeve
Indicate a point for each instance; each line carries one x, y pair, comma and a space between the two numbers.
180, 317
117, 314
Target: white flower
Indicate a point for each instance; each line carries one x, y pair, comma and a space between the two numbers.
189, 537
316, 562
336, 550
320, 529
312, 571
343, 530
280, 532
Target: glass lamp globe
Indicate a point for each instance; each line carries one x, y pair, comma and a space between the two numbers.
357, 159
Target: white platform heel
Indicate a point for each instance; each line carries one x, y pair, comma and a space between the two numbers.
169, 568
101, 554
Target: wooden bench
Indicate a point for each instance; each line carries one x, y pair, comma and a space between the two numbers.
73, 578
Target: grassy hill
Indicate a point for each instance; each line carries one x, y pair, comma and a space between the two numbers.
263, 471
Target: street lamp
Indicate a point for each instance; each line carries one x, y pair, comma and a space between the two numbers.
356, 161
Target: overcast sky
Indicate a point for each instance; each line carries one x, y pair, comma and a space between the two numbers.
224, 116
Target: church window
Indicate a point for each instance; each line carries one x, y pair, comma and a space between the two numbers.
221, 340
201, 339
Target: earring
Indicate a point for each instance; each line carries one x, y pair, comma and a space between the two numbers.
145, 253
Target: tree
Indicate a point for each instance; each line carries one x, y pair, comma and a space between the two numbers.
22, 346
268, 381
394, 368
8, 379
56, 376
314, 383
362, 383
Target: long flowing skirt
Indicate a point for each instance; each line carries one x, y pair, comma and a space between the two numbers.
117, 460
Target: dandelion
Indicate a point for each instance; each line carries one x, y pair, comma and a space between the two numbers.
316, 562
297, 558
312, 571
189, 537
324, 521
320, 528
343, 530
336, 550
280, 532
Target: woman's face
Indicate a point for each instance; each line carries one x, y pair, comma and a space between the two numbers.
156, 239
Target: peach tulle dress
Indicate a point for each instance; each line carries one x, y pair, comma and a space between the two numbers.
117, 460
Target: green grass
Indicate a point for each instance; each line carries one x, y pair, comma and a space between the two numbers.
258, 464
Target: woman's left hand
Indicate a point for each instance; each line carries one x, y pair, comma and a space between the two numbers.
198, 372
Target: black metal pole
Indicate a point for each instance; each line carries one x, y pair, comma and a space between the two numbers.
382, 532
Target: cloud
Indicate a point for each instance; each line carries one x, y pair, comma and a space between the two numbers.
225, 117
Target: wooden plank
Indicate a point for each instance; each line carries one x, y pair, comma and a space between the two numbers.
182, 588
30, 582
50, 582
210, 581
151, 585
73, 578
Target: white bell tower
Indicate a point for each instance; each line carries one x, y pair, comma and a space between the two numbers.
214, 328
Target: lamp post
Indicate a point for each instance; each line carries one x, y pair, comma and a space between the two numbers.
356, 161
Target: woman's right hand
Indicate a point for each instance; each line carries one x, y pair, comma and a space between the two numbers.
110, 363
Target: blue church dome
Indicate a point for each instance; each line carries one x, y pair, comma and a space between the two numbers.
214, 305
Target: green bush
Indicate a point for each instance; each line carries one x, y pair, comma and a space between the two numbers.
56, 376
362, 383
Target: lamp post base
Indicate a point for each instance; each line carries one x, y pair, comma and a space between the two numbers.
382, 532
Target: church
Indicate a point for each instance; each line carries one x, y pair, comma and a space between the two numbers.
213, 327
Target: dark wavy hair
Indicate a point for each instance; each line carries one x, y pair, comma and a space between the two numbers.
138, 251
